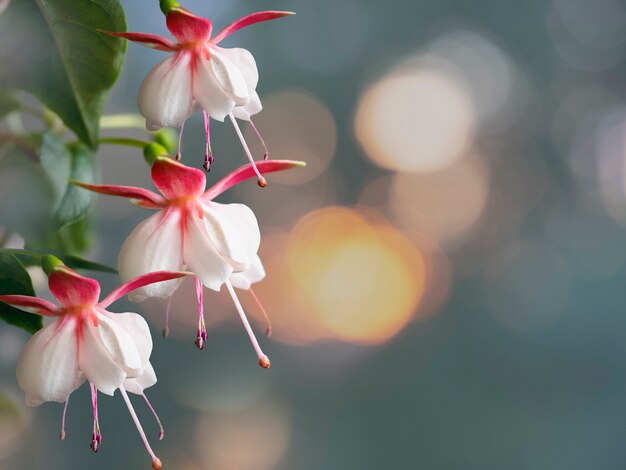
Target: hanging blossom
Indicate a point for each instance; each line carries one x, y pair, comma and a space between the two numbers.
222, 81
217, 242
85, 342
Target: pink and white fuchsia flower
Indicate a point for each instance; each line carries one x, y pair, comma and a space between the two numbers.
217, 242
85, 342
222, 81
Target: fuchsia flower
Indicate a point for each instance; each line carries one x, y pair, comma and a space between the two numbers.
217, 242
200, 73
85, 342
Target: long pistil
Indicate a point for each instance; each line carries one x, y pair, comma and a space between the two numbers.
263, 359
156, 462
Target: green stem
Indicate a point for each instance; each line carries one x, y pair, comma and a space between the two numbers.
124, 141
122, 121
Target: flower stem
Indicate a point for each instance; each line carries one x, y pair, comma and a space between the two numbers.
124, 141
122, 121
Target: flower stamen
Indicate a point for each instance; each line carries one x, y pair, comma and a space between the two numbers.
168, 307
156, 416
262, 182
266, 155
208, 152
156, 462
62, 434
96, 436
180, 140
202, 334
263, 359
268, 329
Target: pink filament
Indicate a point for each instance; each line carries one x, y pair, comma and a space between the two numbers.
245, 146
156, 416
62, 435
268, 329
266, 155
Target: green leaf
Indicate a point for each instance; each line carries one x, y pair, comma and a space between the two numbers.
14, 280
53, 49
76, 262
59, 163
56, 163
75, 201
9, 102
33, 258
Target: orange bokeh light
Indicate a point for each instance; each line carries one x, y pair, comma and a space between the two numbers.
362, 281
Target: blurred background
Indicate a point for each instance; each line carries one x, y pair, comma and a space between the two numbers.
445, 277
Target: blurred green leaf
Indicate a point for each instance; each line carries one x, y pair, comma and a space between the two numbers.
76, 200
54, 50
60, 162
33, 258
9, 102
14, 280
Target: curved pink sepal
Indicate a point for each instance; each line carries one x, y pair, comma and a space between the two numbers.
31, 304
146, 197
176, 180
187, 27
153, 41
246, 172
247, 21
138, 282
71, 289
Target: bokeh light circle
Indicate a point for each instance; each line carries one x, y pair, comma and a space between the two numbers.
362, 281
417, 119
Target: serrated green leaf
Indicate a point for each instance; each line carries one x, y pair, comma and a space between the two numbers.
14, 280
75, 201
53, 49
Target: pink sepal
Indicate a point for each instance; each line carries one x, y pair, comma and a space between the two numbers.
151, 199
71, 289
246, 172
176, 180
247, 21
140, 281
31, 304
153, 41
187, 27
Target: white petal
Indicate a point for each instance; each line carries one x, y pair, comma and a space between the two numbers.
244, 61
138, 329
209, 93
48, 366
230, 231
96, 362
230, 77
139, 384
245, 279
121, 345
165, 97
246, 111
244, 221
202, 257
154, 245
